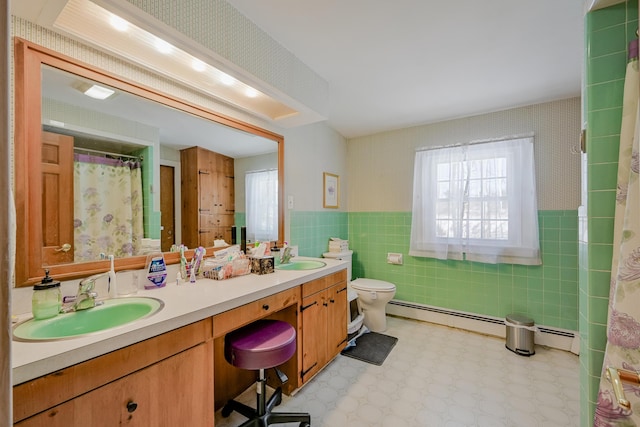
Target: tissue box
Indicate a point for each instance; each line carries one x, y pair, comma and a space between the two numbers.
262, 265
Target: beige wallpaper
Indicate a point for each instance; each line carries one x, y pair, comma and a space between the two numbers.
380, 175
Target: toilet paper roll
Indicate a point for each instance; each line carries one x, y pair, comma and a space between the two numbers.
394, 258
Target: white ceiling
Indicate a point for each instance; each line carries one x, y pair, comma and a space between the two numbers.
394, 64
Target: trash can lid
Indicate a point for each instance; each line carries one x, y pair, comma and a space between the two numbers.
519, 319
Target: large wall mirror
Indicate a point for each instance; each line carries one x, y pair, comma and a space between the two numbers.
58, 128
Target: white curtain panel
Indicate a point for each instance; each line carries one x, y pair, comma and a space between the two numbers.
261, 192
476, 202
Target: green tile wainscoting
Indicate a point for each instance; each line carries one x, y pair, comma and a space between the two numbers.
311, 231
607, 34
546, 293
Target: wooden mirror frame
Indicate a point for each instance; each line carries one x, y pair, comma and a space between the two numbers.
28, 59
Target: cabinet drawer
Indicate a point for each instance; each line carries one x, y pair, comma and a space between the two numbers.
243, 315
45, 392
322, 283
175, 391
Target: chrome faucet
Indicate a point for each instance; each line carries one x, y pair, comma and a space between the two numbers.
86, 297
285, 258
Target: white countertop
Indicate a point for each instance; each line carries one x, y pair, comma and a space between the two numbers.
183, 305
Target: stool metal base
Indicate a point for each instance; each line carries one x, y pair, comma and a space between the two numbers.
262, 416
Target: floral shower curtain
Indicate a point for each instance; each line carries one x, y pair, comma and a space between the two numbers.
623, 328
108, 217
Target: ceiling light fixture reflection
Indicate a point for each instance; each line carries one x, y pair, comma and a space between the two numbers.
98, 92
251, 92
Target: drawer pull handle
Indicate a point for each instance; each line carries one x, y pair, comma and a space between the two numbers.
132, 406
303, 372
304, 307
265, 306
343, 289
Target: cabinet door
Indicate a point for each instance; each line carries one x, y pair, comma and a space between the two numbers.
174, 392
226, 198
207, 192
314, 334
336, 319
207, 236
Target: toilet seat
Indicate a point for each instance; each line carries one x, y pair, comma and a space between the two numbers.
372, 285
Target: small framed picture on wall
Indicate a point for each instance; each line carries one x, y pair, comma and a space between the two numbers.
331, 191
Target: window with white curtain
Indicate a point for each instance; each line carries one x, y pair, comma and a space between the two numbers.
476, 202
261, 192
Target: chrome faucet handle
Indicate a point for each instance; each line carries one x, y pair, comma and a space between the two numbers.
87, 285
286, 255
85, 301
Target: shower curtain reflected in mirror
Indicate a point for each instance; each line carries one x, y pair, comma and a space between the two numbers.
108, 208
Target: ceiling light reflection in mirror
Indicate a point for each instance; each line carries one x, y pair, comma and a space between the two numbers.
92, 23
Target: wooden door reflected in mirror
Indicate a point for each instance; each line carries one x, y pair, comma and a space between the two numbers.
57, 199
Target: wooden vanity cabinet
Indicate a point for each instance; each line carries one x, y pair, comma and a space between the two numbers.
163, 381
324, 322
208, 198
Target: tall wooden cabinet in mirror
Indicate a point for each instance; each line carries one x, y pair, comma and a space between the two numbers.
43, 193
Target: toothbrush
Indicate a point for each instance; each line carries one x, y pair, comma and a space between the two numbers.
183, 263
113, 290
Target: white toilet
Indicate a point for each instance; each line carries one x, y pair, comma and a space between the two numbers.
373, 295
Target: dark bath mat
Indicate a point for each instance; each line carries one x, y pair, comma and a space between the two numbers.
371, 347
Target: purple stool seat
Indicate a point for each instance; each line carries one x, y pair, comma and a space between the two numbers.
260, 345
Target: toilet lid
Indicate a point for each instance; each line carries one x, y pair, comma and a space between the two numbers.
372, 285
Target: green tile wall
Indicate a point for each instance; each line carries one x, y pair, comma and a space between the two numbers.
311, 231
239, 220
608, 32
547, 293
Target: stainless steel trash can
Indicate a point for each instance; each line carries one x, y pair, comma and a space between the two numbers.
520, 330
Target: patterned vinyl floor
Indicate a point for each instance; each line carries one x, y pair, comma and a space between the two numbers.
438, 376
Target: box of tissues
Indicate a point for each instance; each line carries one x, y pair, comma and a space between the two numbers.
262, 265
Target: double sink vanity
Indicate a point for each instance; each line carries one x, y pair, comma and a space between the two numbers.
164, 366
168, 368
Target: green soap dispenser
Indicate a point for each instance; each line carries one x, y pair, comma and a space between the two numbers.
47, 298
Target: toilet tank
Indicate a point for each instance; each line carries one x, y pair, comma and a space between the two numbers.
342, 256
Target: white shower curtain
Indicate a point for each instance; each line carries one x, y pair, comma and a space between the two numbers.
623, 327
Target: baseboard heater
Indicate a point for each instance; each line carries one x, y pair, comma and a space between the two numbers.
480, 318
